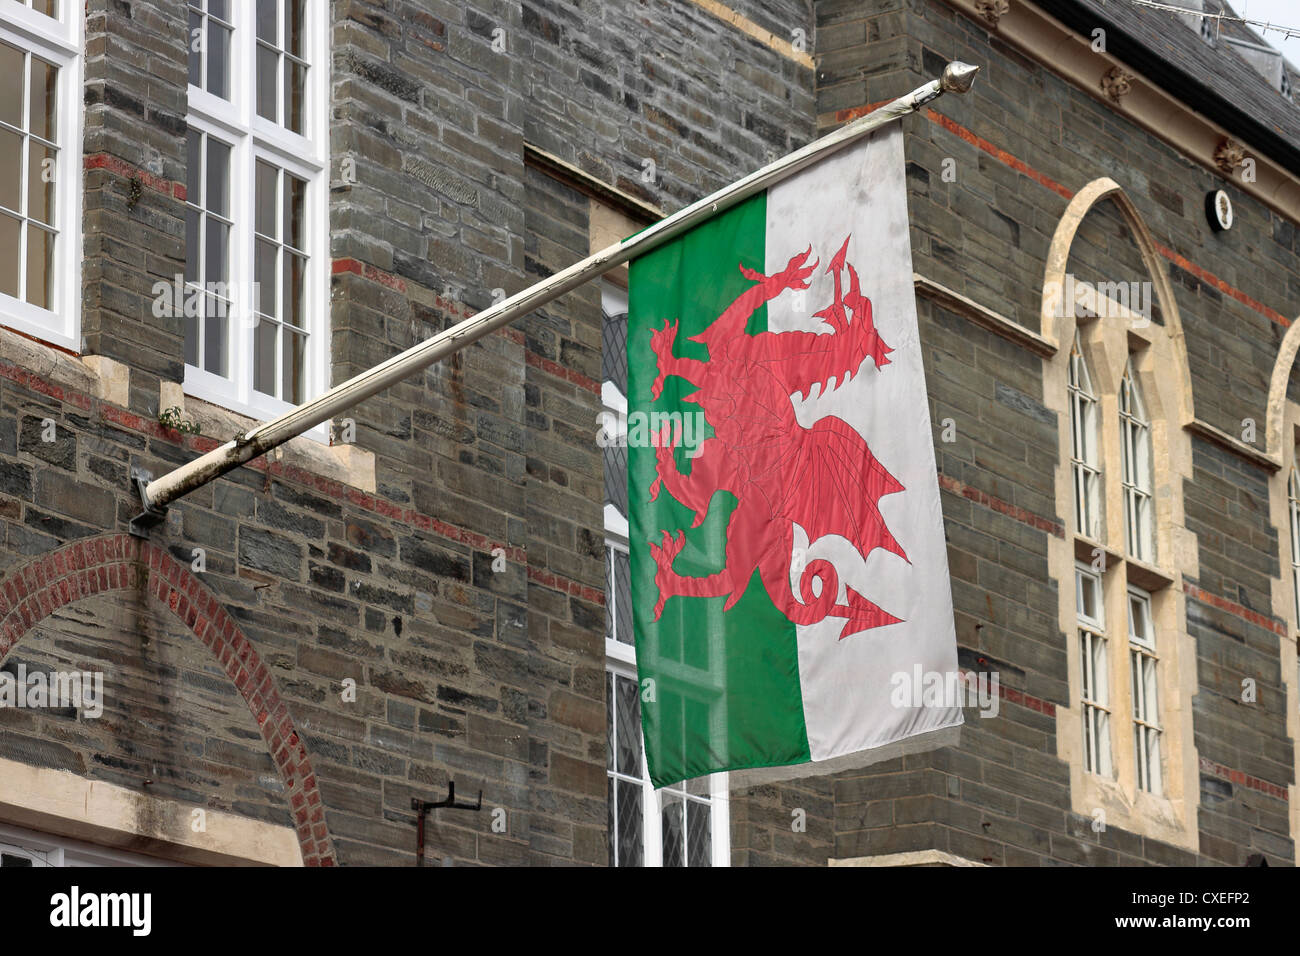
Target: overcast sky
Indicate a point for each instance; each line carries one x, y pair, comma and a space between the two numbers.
1282, 12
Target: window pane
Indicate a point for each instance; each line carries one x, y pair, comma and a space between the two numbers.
1088, 437
191, 340
196, 57
295, 79
629, 824
266, 21
611, 806
1100, 691
267, 61
264, 275
623, 597
11, 166
217, 198
610, 598
294, 359
219, 8
293, 26
40, 182
215, 251
609, 722
1151, 710
193, 223
1136, 690
1084, 659
699, 833
1142, 458
48, 7
1153, 762
193, 166
9, 229
674, 830
1089, 597
41, 118
11, 94
218, 56
40, 265
295, 270
627, 708
1143, 782
264, 340
265, 202
294, 198
214, 338
1089, 754
1103, 743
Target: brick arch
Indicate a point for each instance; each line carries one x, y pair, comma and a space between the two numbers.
117, 562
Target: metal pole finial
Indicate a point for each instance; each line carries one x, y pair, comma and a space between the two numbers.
958, 77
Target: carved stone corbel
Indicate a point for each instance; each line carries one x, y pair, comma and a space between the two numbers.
992, 10
1116, 84
1228, 155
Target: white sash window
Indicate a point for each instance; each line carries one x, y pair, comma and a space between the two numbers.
257, 230
40, 169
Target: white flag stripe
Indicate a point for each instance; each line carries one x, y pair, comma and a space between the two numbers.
846, 683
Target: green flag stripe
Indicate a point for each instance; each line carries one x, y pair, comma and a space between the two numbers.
720, 690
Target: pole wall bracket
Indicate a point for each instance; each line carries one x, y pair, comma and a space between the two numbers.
422, 807
150, 517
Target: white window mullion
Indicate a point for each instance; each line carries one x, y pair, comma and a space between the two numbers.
652, 823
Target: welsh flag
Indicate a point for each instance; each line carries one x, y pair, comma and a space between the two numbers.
787, 548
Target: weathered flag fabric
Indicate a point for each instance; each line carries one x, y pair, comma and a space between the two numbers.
786, 540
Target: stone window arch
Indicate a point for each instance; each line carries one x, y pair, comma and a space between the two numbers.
1130, 643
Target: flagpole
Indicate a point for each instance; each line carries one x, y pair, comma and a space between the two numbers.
156, 494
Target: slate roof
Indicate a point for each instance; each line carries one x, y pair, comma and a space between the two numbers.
1210, 78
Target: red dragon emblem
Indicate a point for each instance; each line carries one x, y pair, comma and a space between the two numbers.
823, 478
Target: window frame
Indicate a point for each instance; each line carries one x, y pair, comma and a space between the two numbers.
305, 156
51, 850
59, 41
